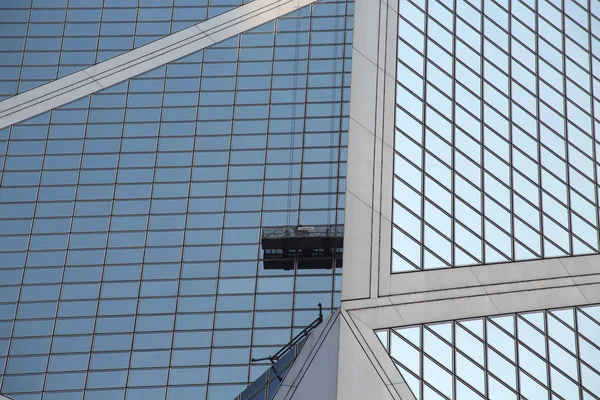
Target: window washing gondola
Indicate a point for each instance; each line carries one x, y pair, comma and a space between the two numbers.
302, 247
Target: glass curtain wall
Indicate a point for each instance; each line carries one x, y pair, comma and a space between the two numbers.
41, 40
130, 220
533, 355
496, 140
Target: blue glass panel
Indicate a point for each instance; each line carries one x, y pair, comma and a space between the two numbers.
137, 211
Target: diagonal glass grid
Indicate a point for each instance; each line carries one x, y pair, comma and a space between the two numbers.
552, 354
495, 146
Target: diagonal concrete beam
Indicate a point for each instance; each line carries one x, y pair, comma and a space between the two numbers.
143, 59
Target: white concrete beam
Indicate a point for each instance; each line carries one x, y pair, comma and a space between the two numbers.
143, 59
367, 242
434, 296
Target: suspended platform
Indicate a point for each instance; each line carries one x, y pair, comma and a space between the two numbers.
302, 247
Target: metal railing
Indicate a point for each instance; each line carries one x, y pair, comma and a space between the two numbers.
298, 338
325, 231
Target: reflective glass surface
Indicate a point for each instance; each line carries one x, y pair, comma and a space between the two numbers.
130, 219
496, 120
41, 40
539, 355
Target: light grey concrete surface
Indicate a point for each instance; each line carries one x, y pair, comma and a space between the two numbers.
581, 265
444, 305
371, 317
364, 91
387, 176
366, 25
316, 365
519, 271
422, 281
385, 258
437, 295
370, 153
170, 48
357, 376
538, 299
591, 293
528, 274
375, 252
361, 182
319, 381
442, 310
528, 285
356, 274
403, 391
584, 279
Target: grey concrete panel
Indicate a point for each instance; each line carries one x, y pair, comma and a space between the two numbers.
373, 316
376, 169
391, 46
309, 350
384, 51
359, 173
404, 391
393, 5
29, 104
70, 81
385, 257
147, 64
366, 25
538, 299
432, 280
586, 279
364, 91
389, 107
143, 59
357, 253
379, 116
466, 307
366, 303
375, 231
591, 293
319, 381
387, 187
153, 54
528, 285
582, 265
56, 99
497, 274
476, 301
519, 271
357, 377
147, 52
437, 295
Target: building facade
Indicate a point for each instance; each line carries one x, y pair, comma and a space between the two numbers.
479, 276
471, 266
147, 146
470, 207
